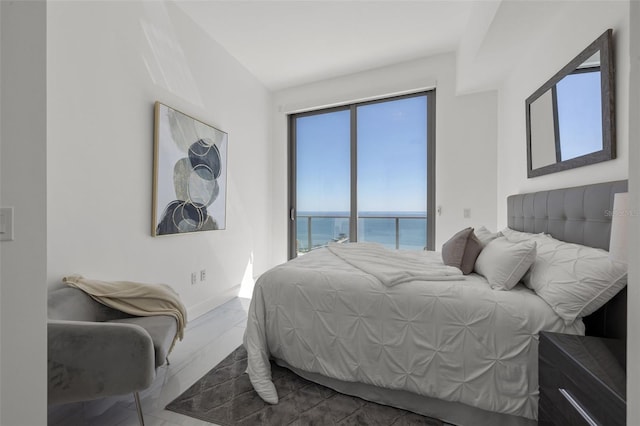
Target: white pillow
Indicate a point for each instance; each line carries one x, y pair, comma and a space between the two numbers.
485, 236
575, 280
516, 236
503, 263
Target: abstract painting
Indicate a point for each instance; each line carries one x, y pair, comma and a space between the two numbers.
190, 176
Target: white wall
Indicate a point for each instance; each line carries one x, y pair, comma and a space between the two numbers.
560, 43
107, 63
23, 186
465, 139
633, 290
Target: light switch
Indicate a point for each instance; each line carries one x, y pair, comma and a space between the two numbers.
6, 224
466, 213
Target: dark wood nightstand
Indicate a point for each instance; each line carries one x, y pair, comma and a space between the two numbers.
582, 380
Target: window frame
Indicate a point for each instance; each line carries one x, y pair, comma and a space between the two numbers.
353, 222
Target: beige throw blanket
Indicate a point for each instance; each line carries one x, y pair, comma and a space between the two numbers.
135, 298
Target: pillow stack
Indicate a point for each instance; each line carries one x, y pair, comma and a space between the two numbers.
490, 254
573, 279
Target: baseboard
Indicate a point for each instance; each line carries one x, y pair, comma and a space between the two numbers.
205, 306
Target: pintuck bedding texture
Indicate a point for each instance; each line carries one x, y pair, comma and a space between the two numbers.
438, 334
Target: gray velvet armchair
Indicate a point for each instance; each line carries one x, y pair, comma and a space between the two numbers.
95, 351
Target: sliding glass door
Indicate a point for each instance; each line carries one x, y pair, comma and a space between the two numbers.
322, 180
363, 172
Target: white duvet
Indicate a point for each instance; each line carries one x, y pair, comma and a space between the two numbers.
341, 316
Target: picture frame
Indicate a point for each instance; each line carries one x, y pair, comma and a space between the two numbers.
189, 174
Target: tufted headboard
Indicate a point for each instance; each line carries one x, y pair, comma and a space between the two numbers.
580, 215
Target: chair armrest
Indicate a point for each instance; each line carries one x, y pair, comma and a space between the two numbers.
89, 360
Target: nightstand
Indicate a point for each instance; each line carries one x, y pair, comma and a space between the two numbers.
582, 380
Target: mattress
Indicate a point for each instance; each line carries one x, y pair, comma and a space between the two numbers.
454, 340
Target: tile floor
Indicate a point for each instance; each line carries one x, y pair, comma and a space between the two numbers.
207, 341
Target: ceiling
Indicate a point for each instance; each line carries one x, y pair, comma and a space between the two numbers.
295, 42
289, 43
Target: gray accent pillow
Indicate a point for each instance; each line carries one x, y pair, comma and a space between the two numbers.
462, 250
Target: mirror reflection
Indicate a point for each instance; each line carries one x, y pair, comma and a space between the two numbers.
567, 118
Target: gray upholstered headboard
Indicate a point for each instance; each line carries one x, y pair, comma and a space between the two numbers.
579, 215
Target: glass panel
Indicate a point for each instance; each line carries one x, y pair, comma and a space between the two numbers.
377, 229
322, 179
413, 233
543, 131
392, 172
580, 114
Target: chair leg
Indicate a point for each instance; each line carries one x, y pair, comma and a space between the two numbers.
167, 358
136, 396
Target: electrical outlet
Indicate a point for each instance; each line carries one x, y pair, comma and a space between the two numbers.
203, 275
193, 278
466, 212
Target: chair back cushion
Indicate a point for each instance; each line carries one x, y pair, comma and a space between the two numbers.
71, 304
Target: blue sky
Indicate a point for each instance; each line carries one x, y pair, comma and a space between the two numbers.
391, 158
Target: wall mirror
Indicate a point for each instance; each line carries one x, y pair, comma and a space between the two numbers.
571, 118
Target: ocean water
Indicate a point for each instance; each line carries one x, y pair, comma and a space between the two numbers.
377, 227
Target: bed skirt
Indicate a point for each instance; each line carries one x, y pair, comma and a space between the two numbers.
454, 413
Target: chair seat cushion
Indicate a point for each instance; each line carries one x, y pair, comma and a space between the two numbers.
161, 328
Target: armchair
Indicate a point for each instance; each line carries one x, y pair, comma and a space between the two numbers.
95, 351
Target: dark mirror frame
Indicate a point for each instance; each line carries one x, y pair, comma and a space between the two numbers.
604, 44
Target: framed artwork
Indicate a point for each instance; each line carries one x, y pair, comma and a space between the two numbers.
189, 174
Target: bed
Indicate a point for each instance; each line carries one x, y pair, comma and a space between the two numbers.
439, 343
